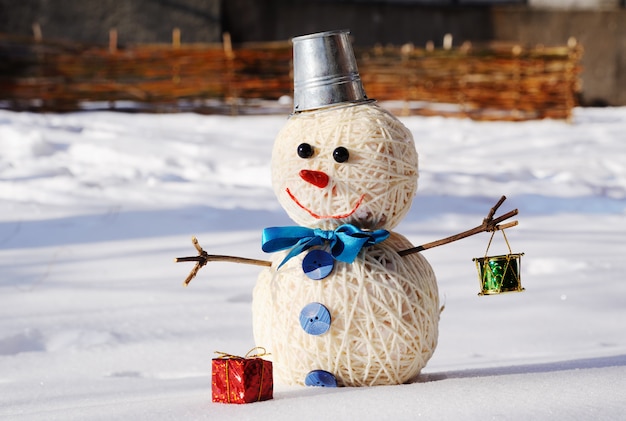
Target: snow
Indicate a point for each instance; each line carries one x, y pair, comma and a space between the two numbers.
95, 323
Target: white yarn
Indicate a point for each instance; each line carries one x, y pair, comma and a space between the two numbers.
384, 308
382, 167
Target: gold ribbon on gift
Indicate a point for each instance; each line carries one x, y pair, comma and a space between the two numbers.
263, 352
249, 355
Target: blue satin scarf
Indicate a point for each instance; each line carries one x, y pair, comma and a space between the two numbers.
345, 242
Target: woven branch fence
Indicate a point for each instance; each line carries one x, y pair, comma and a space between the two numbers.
498, 82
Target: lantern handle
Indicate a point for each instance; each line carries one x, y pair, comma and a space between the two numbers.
506, 240
490, 224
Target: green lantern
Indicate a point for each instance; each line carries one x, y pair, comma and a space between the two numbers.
497, 274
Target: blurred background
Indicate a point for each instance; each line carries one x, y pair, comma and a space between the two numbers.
596, 27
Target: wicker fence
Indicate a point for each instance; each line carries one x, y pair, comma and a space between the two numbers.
489, 82
494, 82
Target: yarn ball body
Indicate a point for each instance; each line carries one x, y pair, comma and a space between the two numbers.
384, 310
373, 189
348, 165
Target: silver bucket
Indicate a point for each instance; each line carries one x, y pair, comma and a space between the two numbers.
325, 71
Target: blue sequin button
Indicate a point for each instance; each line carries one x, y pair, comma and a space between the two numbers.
315, 319
320, 378
318, 264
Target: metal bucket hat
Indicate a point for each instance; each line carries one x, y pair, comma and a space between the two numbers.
325, 71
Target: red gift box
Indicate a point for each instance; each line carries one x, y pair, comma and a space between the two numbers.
242, 379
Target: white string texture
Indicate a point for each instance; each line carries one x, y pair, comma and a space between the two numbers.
384, 310
382, 168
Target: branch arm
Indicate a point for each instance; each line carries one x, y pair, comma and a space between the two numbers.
495, 207
489, 224
203, 258
221, 258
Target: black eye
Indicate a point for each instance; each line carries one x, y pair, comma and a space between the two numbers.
305, 150
341, 154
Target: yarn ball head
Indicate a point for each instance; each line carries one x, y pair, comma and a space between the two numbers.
372, 189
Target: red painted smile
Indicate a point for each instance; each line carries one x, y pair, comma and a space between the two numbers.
317, 216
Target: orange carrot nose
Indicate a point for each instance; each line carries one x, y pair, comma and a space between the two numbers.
317, 178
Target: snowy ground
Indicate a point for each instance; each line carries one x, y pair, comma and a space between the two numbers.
94, 322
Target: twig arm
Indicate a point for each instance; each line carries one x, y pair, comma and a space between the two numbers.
203, 258
495, 207
221, 258
489, 224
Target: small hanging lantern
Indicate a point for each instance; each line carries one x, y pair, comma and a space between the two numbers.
497, 274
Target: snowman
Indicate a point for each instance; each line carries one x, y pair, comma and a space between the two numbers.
341, 303
339, 306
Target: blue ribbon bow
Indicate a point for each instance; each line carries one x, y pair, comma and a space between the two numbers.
345, 242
